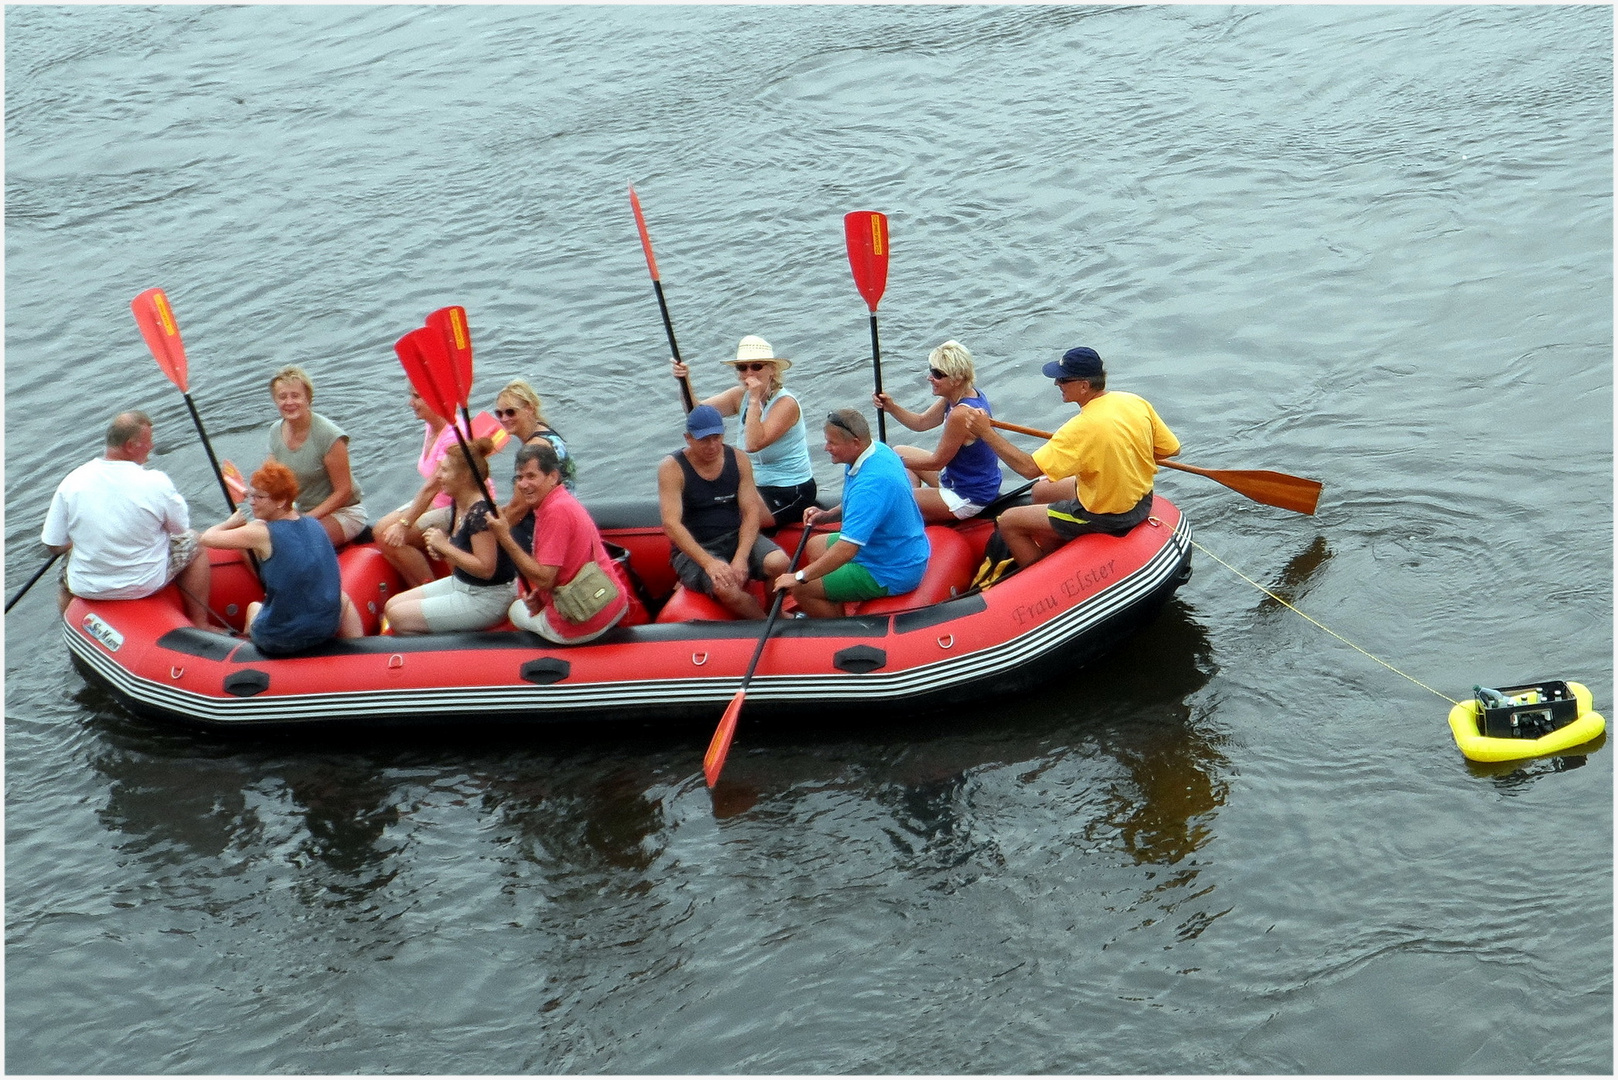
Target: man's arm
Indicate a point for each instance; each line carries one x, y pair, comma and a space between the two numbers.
1019, 461
670, 488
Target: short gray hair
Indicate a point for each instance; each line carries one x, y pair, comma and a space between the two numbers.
852, 422
542, 454
126, 426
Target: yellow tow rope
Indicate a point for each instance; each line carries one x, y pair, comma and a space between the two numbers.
1318, 623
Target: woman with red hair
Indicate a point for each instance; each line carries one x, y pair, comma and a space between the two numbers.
304, 603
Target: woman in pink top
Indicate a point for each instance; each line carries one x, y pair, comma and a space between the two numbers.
400, 534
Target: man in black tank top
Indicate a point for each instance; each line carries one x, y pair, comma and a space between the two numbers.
710, 512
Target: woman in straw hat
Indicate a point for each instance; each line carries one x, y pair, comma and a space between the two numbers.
772, 430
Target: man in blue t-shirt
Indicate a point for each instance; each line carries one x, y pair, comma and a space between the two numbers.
882, 549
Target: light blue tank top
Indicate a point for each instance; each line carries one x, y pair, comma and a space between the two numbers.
785, 462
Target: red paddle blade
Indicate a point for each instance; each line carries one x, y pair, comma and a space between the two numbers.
867, 233
451, 324
714, 759
233, 481
156, 321
645, 237
413, 351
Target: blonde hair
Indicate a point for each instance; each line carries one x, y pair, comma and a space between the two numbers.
953, 359
295, 373
519, 389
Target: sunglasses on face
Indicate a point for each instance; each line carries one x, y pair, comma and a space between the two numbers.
1067, 379
505, 414
759, 366
934, 373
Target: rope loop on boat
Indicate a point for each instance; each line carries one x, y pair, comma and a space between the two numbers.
1317, 622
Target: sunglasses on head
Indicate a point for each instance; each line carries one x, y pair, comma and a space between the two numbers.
833, 420
756, 366
934, 373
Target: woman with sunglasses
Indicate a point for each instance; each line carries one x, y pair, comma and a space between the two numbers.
304, 603
961, 475
772, 430
520, 412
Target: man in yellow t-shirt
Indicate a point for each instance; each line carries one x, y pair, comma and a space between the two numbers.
1110, 449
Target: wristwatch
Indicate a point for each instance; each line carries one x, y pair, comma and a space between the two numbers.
797, 575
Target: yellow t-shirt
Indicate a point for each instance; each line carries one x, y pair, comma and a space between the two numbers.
1112, 447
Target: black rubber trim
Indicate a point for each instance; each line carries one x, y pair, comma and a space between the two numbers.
906, 622
247, 682
859, 659
546, 670
193, 642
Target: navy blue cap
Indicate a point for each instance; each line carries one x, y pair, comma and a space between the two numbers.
1079, 363
704, 420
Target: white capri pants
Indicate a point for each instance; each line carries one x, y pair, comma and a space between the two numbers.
450, 604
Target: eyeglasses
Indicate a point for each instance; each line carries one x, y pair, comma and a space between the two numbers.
258, 495
934, 373
833, 420
504, 414
759, 366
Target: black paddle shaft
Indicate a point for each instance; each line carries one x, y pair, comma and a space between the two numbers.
29, 584
230, 504
775, 611
674, 346
876, 368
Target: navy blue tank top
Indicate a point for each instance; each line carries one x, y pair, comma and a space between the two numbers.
302, 588
711, 508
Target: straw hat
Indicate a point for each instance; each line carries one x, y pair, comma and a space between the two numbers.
754, 349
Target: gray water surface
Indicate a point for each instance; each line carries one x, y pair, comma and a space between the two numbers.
1370, 245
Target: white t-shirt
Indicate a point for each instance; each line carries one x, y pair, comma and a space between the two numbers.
118, 516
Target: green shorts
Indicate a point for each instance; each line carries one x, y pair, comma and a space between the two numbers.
851, 581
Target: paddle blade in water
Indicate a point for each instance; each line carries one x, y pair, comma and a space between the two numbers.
714, 760
414, 354
867, 235
156, 321
451, 324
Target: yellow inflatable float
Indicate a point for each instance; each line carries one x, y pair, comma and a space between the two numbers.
1535, 720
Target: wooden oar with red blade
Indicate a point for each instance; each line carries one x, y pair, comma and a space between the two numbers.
686, 396
719, 747
1276, 489
866, 232
157, 325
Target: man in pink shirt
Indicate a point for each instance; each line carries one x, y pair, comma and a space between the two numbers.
564, 541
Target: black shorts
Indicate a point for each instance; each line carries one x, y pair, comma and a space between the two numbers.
1070, 519
787, 504
694, 577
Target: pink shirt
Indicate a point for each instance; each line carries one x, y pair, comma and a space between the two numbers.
433, 451
566, 537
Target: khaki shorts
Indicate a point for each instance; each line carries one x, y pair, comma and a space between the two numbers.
351, 518
183, 547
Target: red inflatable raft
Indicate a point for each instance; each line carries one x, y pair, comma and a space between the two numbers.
939, 646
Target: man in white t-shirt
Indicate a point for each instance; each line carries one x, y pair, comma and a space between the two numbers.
127, 527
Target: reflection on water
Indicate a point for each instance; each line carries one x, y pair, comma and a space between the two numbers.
346, 813
1298, 575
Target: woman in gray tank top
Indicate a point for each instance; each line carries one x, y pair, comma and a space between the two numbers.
316, 450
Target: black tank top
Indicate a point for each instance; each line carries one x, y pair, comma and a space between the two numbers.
710, 507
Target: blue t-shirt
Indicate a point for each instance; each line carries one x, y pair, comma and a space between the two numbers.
881, 516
